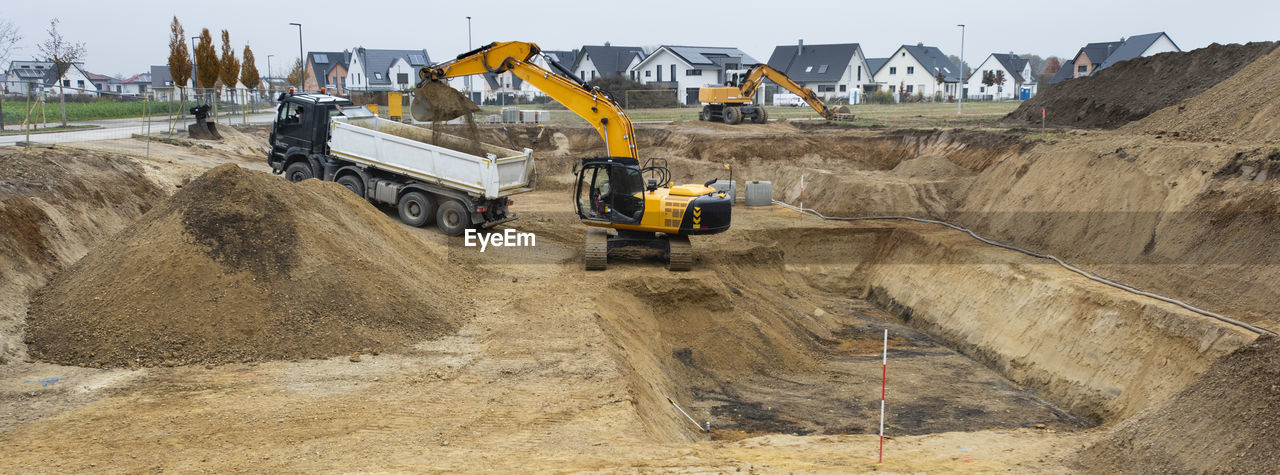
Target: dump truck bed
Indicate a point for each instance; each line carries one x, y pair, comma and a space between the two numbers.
432, 157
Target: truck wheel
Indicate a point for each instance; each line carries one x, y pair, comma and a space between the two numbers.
298, 171
452, 218
353, 183
732, 115
415, 208
705, 115
762, 115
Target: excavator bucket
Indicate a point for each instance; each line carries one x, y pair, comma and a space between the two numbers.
202, 129
437, 102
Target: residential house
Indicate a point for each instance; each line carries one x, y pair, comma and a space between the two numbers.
688, 68
135, 85
374, 70
25, 76
593, 62
914, 71
831, 71
1096, 56
104, 84
1019, 82
327, 70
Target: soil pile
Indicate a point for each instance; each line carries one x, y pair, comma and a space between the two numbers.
54, 205
243, 266
1227, 421
1131, 90
1244, 106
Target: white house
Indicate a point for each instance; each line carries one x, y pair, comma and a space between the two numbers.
1019, 82
1096, 56
914, 71
688, 68
384, 69
24, 76
831, 71
593, 62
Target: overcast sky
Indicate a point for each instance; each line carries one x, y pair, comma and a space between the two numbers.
126, 39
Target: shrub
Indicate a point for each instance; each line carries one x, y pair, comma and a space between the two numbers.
617, 87
881, 97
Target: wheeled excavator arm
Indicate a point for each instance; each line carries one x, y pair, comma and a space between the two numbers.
757, 74
590, 103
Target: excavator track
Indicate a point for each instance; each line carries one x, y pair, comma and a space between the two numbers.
597, 251
680, 255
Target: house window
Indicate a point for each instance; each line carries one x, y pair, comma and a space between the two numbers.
673, 72
982, 89
826, 88
859, 73
377, 75
648, 74
593, 75
911, 69
893, 88
659, 69
632, 74
808, 69
893, 70
910, 89
1082, 69
693, 72
842, 88
582, 73
402, 78
822, 69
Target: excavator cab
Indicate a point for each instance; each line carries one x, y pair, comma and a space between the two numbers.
611, 189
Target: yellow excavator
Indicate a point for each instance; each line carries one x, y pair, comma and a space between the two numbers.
638, 203
736, 102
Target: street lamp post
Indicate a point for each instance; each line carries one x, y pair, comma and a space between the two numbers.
960, 92
301, 57
270, 85
195, 72
468, 78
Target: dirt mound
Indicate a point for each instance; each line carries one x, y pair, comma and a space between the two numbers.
54, 204
929, 166
1227, 421
1244, 106
243, 266
1130, 90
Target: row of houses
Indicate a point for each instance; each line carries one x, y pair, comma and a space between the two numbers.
833, 71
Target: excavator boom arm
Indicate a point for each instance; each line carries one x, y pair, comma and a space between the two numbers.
592, 104
757, 74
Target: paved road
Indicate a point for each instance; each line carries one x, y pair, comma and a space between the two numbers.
121, 129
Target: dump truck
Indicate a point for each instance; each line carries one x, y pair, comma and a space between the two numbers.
428, 176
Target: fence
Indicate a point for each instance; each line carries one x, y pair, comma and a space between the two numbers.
124, 122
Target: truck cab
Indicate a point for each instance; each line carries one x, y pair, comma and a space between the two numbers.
300, 132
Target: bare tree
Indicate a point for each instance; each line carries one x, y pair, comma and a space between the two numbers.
63, 54
179, 61
9, 38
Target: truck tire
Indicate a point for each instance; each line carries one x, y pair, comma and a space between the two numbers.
452, 218
732, 115
298, 171
353, 183
705, 115
761, 116
415, 208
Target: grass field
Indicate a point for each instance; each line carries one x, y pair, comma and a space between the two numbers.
890, 115
14, 112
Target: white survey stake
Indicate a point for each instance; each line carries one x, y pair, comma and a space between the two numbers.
507, 238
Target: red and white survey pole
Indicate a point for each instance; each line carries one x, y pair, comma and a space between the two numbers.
884, 381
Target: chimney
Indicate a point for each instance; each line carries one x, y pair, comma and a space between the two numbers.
800, 47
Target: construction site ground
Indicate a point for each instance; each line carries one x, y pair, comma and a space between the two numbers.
997, 360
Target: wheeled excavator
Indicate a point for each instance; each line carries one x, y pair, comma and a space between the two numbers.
736, 102
615, 192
